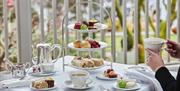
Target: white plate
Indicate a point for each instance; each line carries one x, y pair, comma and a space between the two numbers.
90, 68
136, 87
101, 27
69, 84
102, 46
44, 89
102, 77
41, 74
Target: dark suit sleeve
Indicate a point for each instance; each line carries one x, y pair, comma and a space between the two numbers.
166, 80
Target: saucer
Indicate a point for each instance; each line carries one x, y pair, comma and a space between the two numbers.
40, 74
68, 84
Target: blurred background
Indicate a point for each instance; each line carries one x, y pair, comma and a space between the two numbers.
95, 11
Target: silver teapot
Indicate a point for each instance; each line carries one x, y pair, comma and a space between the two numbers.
46, 51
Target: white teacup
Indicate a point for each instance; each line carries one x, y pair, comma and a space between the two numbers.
47, 67
154, 44
79, 78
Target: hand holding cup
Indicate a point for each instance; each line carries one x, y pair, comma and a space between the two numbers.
154, 60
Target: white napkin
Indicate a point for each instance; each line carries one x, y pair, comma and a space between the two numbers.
144, 76
14, 83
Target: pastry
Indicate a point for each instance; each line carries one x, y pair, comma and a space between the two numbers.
94, 44
86, 23
78, 62
43, 83
92, 22
110, 73
77, 25
81, 44
97, 62
126, 83
77, 44
85, 44
50, 82
88, 63
84, 27
40, 84
130, 84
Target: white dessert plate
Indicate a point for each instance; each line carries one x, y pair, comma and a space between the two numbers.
102, 46
41, 74
44, 89
69, 84
103, 77
100, 27
90, 68
136, 87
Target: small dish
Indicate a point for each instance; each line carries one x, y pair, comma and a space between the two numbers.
136, 87
41, 74
44, 89
102, 77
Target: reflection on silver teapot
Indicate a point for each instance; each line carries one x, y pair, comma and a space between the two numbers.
46, 51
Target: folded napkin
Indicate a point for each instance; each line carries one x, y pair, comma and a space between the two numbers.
14, 83
144, 76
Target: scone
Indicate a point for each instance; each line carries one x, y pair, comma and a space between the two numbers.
85, 44
77, 44
78, 62
97, 62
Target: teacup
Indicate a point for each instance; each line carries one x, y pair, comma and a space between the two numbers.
47, 67
79, 78
154, 44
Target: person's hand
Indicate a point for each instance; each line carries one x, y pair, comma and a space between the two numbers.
154, 60
173, 48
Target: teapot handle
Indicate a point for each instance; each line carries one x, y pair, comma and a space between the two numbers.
56, 46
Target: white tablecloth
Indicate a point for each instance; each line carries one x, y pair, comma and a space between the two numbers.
61, 76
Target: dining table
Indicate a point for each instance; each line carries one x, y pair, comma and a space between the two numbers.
61, 76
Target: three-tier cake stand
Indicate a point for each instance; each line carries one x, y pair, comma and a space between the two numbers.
102, 27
